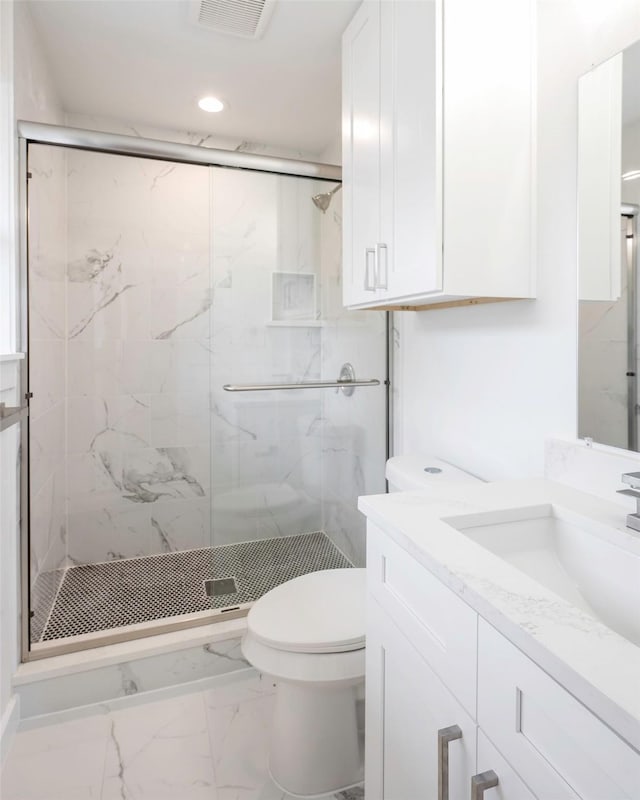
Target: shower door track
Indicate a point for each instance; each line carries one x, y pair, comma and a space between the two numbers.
119, 144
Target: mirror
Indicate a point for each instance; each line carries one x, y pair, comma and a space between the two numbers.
608, 207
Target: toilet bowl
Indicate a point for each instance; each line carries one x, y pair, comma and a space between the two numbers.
309, 635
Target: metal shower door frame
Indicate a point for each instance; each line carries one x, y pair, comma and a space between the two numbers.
117, 144
630, 254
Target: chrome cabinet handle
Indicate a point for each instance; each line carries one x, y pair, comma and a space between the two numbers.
380, 249
481, 782
445, 735
369, 256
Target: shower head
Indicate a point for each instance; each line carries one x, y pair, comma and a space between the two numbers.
322, 200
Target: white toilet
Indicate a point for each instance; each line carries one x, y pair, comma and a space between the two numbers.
309, 634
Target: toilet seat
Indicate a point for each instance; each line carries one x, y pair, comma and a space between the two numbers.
319, 613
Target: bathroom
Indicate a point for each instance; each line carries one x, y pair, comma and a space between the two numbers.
139, 454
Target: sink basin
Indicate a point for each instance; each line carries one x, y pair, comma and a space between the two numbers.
590, 565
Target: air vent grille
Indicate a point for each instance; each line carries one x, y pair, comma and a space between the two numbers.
245, 18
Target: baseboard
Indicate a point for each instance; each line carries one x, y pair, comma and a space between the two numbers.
151, 696
9, 725
84, 683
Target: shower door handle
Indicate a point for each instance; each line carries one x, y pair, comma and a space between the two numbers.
369, 261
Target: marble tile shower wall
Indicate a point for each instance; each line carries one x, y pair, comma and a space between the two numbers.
161, 287
138, 299
265, 462
168, 296
47, 248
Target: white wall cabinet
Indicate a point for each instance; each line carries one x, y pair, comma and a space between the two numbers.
514, 720
438, 175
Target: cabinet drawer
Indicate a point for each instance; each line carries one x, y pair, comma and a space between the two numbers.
441, 626
558, 747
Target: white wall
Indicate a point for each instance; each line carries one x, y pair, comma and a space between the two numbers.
26, 93
482, 386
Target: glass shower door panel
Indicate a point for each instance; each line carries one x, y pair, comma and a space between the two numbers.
138, 344
130, 240
266, 330
288, 463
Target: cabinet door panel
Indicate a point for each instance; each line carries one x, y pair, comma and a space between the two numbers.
406, 706
489, 134
411, 183
441, 626
510, 786
360, 147
558, 747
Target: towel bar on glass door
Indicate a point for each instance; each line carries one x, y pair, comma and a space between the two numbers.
347, 382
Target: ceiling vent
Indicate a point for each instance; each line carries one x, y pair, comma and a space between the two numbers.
245, 18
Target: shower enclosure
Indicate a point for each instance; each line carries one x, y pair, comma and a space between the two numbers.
203, 412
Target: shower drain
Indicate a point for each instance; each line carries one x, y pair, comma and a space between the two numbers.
218, 586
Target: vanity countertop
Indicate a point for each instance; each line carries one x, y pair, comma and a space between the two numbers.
595, 664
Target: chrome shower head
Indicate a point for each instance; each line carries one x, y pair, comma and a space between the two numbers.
323, 200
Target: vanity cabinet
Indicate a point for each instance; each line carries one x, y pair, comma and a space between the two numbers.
415, 711
438, 176
433, 663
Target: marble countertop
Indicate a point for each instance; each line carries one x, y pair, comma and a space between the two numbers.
595, 664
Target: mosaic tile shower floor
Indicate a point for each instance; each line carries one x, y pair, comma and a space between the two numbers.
99, 597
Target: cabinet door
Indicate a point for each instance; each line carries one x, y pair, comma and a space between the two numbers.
558, 747
489, 134
406, 707
361, 152
510, 785
410, 246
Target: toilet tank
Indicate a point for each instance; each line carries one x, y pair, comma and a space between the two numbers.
423, 473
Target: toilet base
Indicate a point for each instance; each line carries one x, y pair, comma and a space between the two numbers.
316, 749
332, 793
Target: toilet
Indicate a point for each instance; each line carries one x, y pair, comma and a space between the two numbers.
309, 635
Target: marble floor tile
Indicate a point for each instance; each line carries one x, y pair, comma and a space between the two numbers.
239, 736
159, 750
250, 686
207, 745
57, 762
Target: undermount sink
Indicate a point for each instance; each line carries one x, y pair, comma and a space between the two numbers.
590, 565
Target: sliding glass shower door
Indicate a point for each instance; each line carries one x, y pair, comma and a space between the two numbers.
157, 495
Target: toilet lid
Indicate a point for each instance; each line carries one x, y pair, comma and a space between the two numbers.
322, 612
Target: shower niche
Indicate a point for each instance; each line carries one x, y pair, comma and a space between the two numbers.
152, 284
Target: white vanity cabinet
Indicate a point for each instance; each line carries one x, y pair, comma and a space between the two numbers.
433, 663
410, 721
438, 176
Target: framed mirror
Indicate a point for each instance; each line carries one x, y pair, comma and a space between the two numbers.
608, 281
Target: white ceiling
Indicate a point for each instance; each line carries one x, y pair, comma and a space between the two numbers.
143, 61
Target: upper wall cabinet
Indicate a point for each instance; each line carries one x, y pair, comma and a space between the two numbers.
438, 172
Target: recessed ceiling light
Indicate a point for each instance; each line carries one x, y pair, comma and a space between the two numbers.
633, 175
211, 104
